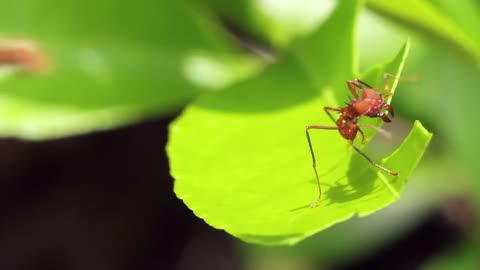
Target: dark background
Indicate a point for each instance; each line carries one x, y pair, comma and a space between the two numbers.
106, 201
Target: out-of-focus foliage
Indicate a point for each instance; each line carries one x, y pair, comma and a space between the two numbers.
275, 22
463, 34
112, 63
463, 257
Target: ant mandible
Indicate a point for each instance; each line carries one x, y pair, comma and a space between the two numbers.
370, 103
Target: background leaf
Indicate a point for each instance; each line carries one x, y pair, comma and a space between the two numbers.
430, 20
112, 64
463, 256
240, 157
275, 23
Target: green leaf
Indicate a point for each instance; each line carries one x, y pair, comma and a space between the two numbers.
432, 22
113, 63
240, 157
276, 22
463, 256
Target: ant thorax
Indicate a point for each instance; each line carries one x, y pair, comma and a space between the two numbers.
347, 123
349, 113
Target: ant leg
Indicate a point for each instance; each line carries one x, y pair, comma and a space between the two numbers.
363, 135
379, 129
366, 85
354, 86
371, 161
385, 86
362, 85
314, 204
328, 109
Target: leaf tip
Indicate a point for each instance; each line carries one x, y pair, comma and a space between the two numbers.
406, 47
417, 125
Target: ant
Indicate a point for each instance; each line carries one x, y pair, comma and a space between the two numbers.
370, 103
23, 53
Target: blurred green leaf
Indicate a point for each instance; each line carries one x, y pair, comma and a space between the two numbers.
430, 20
466, 15
240, 158
276, 22
113, 63
463, 257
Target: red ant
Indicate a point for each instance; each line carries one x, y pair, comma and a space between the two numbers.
371, 104
23, 53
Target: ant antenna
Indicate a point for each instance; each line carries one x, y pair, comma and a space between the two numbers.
387, 76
